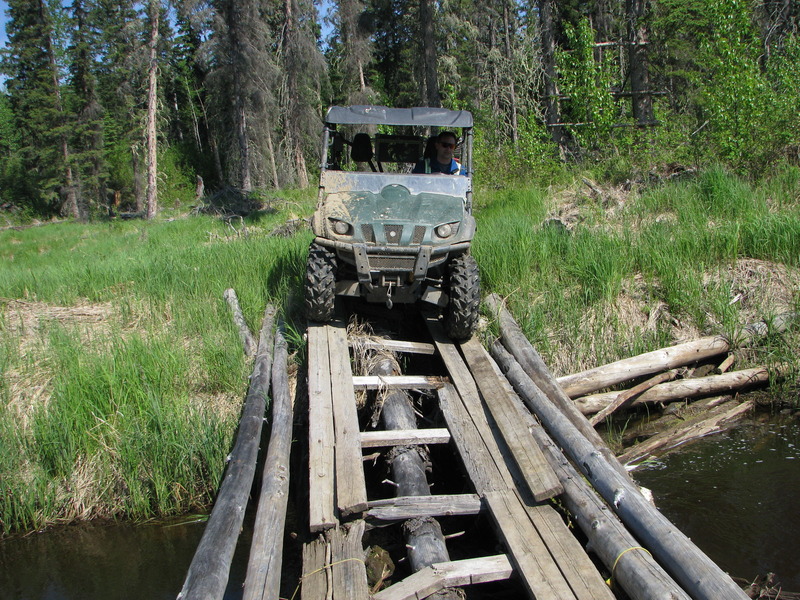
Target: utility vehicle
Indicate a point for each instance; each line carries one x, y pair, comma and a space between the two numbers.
386, 234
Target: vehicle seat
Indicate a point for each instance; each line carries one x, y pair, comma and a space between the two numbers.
362, 149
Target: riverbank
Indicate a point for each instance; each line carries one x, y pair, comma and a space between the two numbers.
123, 374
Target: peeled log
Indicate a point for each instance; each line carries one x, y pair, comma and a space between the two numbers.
697, 574
664, 359
684, 388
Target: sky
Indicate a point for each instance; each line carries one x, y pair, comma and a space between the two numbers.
2, 24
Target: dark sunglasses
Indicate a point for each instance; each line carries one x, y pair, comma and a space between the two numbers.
447, 144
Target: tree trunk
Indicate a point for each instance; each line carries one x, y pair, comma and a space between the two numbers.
512, 94
426, 14
294, 112
152, 99
637, 55
70, 206
552, 108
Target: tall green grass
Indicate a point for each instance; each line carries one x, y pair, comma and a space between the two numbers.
564, 284
140, 410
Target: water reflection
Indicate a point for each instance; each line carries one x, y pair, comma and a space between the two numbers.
737, 496
96, 562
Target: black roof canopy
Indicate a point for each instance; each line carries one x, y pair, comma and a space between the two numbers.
422, 116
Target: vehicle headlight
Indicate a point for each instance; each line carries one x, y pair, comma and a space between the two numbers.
444, 231
341, 227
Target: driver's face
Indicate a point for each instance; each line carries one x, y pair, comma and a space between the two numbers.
445, 149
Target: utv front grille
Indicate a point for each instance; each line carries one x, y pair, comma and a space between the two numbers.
368, 233
419, 235
393, 233
381, 263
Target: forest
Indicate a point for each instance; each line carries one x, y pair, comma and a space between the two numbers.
132, 106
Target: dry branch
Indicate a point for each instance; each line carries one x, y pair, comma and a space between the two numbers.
624, 397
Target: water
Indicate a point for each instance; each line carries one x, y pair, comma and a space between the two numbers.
104, 562
737, 496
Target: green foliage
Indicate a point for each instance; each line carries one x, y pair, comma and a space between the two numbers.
587, 81
751, 110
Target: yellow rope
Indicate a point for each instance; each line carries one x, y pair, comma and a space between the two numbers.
621, 554
315, 571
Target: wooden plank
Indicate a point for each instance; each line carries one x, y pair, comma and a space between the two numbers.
528, 552
535, 469
321, 467
402, 508
315, 581
351, 490
484, 473
450, 574
349, 575
397, 382
575, 565
394, 345
404, 437
468, 395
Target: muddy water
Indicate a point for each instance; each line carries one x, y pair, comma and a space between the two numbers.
117, 562
737, 496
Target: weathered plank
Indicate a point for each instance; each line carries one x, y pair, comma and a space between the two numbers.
397, 382
478, 445
351, 490
528, 553
321, 465
266, 550
402, 508
575, 565
394, 345
404, 437
315, 582
538, 475
451, 574
484, 472
349, 576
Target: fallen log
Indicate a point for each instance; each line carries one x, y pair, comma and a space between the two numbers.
248, 341
424, 538
537, 370
266, 550
624, 397
697, 574
663, 359
686, 431
208, 573
734, 381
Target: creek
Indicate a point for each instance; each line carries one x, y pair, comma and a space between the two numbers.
736, 495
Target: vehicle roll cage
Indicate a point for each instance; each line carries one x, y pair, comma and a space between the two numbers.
395, 148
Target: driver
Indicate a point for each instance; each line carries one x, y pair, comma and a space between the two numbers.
442, 161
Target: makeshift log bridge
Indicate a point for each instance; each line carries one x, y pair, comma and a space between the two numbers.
500, 459
513, 473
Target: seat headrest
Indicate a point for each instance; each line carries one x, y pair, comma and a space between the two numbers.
362, 148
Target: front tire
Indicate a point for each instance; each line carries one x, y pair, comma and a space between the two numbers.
320, 283
461, 313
